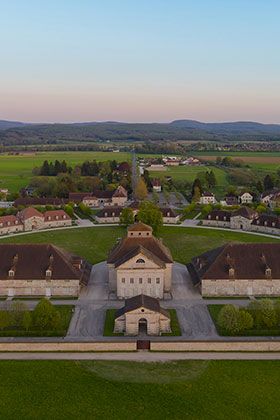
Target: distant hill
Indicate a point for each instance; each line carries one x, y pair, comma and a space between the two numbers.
17, 133
4, 125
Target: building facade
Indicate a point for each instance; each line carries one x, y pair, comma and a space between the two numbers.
140, 264
142, 314
41, 270
238, 270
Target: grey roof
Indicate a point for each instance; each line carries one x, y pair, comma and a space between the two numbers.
139, 301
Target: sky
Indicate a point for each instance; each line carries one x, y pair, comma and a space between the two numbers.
136, 61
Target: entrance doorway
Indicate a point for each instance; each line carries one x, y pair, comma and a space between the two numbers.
143, 327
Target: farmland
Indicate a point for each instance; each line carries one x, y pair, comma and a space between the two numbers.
123, 390
16, 171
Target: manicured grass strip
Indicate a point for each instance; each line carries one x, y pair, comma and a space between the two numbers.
109, 324
66, 312
95, 243
214, 311
123, 390
174, 324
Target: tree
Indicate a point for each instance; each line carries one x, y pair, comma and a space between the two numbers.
126, 217
17, 312
196, 195
268, 183
196, 183
141, 190
86, 210
261, 208
245, 320
69, 210
210, 179
45, 315
5, 319
151, 215
228, 319
45, 169
27, 320
268, 313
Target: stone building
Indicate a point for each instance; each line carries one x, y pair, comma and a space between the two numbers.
266, 223
140, 264
156, 184
99, 198
41, 270
246, 198
142, 314
10, 224
238, 270
207, 198
238, 219
109, 215
169, 215
32, 219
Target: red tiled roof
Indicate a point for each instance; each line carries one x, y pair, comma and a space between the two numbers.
6, 221
54, 214
28, 213
141, 227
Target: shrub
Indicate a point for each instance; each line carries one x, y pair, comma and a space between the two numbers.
268, 313
228, 318
246, 321
27, 320
45, 315
5, 319
18, 310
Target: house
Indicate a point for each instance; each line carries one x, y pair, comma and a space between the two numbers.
238, 219
156, 184
246, 198
32, 219
140, 264
230, 200
142, 314
109, 215
271, 198
207, 198
172, 162
4, 192
99, 198
238, 270
191, 161
124, 167
266, 223
10, 224
156, 167
56, 218
41, 270
242, 218
169, 215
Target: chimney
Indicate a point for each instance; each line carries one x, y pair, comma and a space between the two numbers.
231, 269
267, 269
12, 270
49, 270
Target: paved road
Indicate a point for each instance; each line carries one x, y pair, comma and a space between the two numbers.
141, 356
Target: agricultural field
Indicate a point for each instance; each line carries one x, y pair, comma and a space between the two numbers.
123, 390
266, 161
16, 171
95, 243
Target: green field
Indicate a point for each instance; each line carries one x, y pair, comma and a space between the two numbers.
94, 243
189, 173
129, 390
16, 171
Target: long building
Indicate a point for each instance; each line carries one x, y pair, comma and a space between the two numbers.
238, 270
41, 270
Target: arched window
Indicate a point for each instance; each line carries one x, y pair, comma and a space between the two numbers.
140, 261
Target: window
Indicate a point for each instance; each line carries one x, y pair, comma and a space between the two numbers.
123, 280
140, 280
139, 233
140, 261
131, 281
157, 280
149, 280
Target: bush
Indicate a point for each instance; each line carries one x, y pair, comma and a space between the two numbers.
18, 309
228, 318
27, 320
264, 313
45, 315
5, 319
84, 209
235, 320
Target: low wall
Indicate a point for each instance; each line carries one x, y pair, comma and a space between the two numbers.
207, 346
68, 347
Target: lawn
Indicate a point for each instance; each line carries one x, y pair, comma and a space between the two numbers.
110, 320
126, 390
95, 243
16, 171
214, 311
66, 315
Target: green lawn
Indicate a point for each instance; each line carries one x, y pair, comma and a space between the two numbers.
214, 311
65, 314
174, 324
95, 243
16, 171
126, 390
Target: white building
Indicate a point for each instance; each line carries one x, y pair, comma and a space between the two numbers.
246, 198
207, 198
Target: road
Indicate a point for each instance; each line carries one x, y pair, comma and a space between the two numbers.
143, 356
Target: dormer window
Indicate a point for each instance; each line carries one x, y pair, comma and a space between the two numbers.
64, 217
231, 272
268, 272
209, 216
56, 217
49, 218
48, 273
11, 273
217, 217
265, 223
168, 214
225, 218
258, 222
113, 214
16, 222
106, 214
273, 224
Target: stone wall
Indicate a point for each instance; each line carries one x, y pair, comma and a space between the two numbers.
63, 346
240, 287
11, 229
224, 346
216, 223
12, 287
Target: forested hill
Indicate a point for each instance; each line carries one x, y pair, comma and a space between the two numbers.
15, 133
